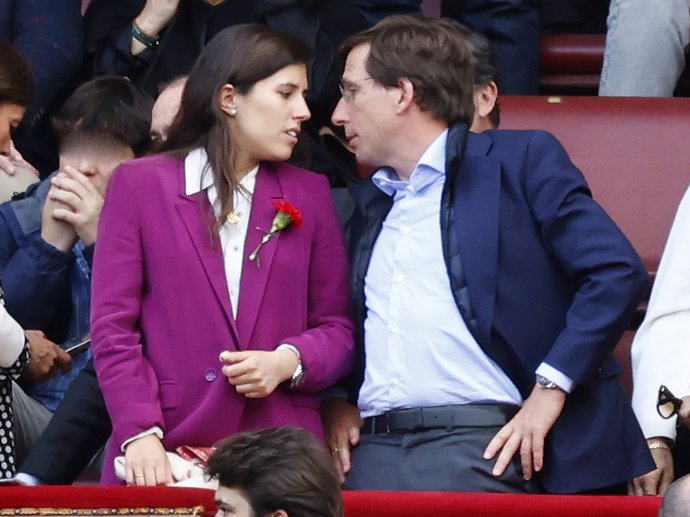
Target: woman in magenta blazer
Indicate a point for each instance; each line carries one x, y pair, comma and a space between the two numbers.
200, 330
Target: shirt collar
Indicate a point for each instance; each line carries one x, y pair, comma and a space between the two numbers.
431, 164
198, 175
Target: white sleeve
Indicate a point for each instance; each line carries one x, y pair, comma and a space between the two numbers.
660, 352
11, 338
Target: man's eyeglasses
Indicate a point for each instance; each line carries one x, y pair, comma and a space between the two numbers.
667, 404
348, 90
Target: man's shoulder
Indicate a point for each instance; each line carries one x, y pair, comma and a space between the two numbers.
508, 140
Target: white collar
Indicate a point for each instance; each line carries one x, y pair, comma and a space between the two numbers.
198, 175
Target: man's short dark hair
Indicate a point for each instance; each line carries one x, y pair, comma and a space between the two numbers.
283, 468
108, 110
431, 53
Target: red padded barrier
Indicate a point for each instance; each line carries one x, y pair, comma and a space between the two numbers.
357, 504
428, 504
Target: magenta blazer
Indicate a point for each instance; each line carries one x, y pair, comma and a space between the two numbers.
161, 311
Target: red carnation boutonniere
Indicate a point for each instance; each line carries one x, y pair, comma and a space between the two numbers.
287, 214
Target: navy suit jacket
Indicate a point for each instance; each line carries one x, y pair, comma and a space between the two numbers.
540, 273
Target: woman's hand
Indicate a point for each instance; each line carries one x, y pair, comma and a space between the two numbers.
14, 159
256, 373
82, 203
146, 463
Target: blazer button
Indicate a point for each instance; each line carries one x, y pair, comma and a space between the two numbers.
210, 375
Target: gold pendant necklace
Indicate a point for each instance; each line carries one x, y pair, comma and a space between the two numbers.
232, 218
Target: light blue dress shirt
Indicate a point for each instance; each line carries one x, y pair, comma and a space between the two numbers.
419, 351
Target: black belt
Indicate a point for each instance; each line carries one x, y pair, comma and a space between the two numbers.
439, 417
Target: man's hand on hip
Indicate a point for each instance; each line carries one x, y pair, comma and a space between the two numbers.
526, 431
342, 423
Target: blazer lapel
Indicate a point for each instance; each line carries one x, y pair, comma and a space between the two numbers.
477, 205
255, 273
198, 218
372, 208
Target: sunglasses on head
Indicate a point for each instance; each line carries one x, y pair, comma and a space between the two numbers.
667, 404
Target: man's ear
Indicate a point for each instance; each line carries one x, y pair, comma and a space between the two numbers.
485, 99
406, 97
227, 99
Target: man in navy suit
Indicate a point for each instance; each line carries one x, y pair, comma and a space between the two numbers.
489, 290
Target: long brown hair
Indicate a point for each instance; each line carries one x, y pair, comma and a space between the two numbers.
241, 55
16, 81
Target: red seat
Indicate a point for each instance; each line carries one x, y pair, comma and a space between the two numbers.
571, 62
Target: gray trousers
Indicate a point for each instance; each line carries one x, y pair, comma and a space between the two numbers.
645, 47
30, 420
433, 460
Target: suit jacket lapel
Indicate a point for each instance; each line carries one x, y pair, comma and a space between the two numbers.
372, 208
198, 218
255, 273
477, 206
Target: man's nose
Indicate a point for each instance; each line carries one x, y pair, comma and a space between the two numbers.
339, 117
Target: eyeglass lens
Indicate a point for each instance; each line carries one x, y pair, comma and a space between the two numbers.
667, 404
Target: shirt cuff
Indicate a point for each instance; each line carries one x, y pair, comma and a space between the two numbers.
292, 348
153, 430
25, 479
562, 381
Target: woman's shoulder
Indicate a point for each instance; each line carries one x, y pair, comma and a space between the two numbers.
153, 169
149, 178
153, 162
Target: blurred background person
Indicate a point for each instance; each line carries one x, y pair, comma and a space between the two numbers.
16, 93
50, 35
660, 356
14, 356
645, 47
47, 239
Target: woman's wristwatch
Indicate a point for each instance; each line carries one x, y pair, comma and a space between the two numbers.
299, 373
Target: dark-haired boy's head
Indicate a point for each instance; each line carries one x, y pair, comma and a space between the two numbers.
103, 123
280, 472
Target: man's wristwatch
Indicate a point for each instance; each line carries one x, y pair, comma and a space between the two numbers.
547, 384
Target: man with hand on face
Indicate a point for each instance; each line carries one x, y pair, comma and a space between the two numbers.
489, 290
47, 238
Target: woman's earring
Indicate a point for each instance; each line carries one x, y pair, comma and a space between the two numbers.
232, 112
